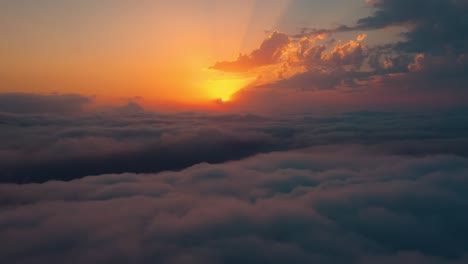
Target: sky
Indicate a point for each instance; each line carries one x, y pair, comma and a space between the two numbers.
223, 132
163, 52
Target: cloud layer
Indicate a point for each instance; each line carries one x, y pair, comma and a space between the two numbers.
327, 205
66, 146
356, 187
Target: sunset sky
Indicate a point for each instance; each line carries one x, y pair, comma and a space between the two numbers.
160, 50
163, 52
227, 132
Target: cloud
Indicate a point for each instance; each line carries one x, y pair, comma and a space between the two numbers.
270, 52
329, 205
435, 36
435, 27
426, 66
96, 145
315, 80
39, 103
43, 147
348, 54
313, 62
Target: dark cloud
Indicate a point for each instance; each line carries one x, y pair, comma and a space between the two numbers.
435, 27
383, 61
436, 31
39, 103
327, 205
270, 52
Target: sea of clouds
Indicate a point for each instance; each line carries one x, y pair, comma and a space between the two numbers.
126, 185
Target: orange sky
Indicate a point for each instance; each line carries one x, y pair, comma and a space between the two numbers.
158, 50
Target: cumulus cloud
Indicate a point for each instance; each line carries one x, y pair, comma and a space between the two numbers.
270, 52
427, 63
328, 205
348, 54
314, 62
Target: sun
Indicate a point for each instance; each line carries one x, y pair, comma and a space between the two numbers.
221, 101
223, 89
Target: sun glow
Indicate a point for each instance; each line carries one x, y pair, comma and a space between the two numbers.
150, 62
223, 89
